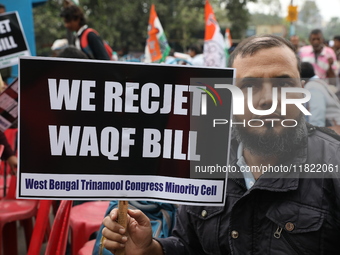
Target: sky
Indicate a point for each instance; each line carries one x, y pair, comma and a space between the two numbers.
328, 8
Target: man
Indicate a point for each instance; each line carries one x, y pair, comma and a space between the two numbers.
324, 105
336, 47
265, 213
2, 8
320, 56
195, 53
74, 20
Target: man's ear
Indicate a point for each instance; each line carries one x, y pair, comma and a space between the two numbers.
303, 82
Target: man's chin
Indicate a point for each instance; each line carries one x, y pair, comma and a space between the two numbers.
271, 140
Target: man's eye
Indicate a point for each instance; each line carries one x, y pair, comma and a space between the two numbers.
285, 83
249, 83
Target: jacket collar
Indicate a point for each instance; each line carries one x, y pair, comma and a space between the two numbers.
81, 30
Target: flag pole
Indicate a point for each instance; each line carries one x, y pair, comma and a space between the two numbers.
122, 220
292, 27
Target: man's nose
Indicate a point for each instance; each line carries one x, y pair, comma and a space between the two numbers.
266, 95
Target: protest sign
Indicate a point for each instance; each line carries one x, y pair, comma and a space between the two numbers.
9, 106
108, 130
13, 43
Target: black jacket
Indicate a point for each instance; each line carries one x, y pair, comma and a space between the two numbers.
96, 45
277, 216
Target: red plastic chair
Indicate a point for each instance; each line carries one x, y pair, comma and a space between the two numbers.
85, 219
11, 135
12, 210
40, 227
87, 249
58, 238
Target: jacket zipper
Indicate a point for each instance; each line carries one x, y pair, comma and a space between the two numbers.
277, 235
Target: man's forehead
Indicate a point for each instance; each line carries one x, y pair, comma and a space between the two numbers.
269, 62
318, 35
255, 54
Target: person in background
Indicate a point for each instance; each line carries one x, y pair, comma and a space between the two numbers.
3, 86
295, 40
266, 212
74, 20
2, 8
195, 52
320, 56
72, 52
324, 105
336, 47
8, 154
58, 45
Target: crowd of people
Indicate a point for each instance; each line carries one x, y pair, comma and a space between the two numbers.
321, 72
324, 84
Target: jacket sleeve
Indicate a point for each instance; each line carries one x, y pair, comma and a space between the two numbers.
97, 47
183, 240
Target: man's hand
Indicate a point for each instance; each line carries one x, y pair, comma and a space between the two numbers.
13, 164
330, 72
330, 61
136, 239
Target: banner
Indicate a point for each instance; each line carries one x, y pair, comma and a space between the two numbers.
214, 47
157, 47
9, 106
13, 43
107, 130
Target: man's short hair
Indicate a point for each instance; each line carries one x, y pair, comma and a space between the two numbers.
73, 12
196, 48
337, 37
251, 45
72, 52
2, 6
307, 70
315, 32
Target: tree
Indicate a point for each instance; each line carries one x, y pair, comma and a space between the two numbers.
309, 18
310, 15
332, 28
265, 19
273, 7
239, 16
124, 23
48, 26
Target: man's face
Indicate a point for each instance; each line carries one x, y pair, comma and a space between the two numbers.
268, 68
337, 44
316, 40
72, 25
191, 53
